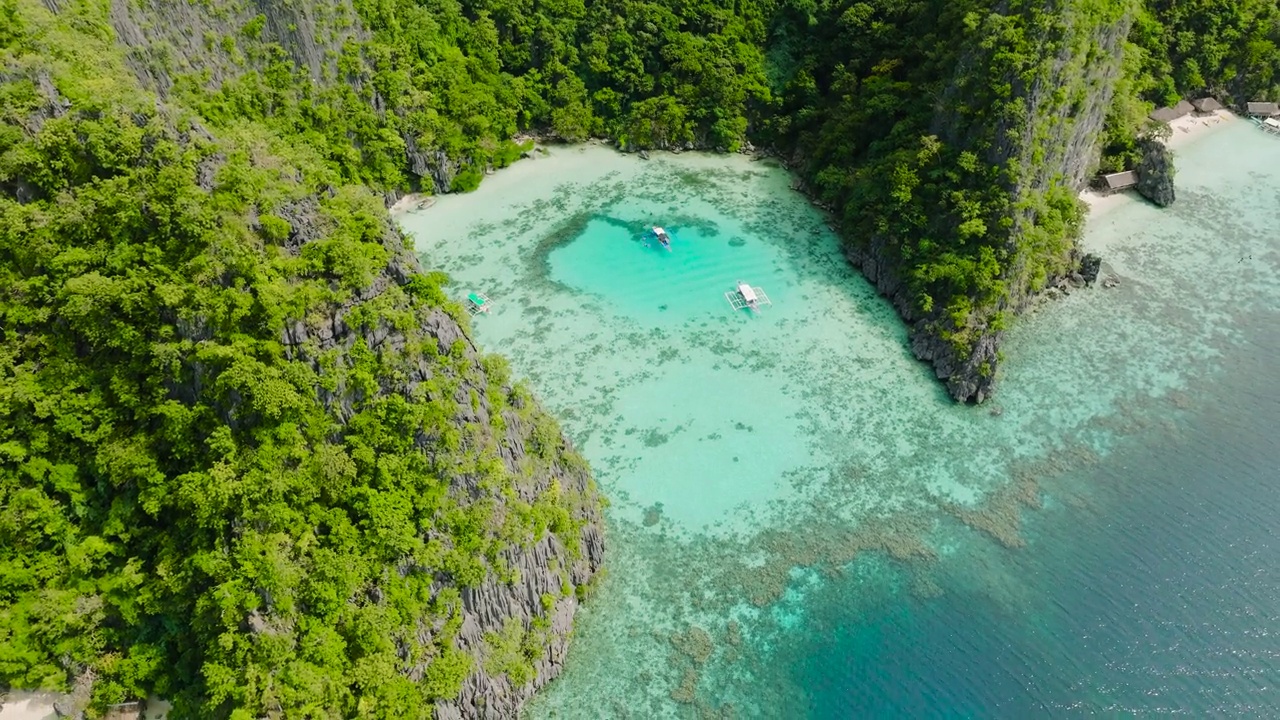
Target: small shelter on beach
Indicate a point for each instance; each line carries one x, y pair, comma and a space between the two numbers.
1263, 109
126, 711
1206, 105
1169, 114
1115, 182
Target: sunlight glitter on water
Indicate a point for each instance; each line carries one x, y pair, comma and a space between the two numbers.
737, 448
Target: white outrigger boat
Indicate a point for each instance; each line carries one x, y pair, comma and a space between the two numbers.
478, 302
1271, 125
746, 296
663, 238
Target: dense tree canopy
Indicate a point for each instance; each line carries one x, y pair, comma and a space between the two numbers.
192, 506
203, 492
1179, 49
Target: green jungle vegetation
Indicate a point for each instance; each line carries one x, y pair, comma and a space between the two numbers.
189, 508
935, 130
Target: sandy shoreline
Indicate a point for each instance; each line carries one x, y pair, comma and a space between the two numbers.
28, 705
411, 202
1189, 127
1185, 129
1099, 203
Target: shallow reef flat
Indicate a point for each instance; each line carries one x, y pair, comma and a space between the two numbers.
753, 460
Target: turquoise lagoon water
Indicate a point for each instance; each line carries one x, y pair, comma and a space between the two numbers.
802, 524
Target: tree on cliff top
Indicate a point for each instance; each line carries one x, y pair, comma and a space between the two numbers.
192, 505
248, 459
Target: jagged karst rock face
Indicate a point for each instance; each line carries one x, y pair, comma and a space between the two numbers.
166, 41
1156, 172
518, 458
1052, 141
543, 568
1090, 266
434, 166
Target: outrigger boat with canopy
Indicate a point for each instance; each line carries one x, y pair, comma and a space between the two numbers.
478, 303
746, 296
1271, 125
663, 238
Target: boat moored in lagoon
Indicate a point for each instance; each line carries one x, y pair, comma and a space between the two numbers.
1270, 125
746, 296
663, 238
478, 302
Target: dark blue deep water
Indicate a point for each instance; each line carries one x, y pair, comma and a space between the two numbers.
1158, 597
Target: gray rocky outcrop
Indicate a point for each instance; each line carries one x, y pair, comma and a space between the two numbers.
52, 105
541, 567
1156, 172
165, 41
1055, 148
965, 376
436, 169
1090, 265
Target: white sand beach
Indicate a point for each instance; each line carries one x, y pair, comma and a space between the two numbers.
1099, 203
1185, 129
1193, 126
411, 202
27, 706
39, 706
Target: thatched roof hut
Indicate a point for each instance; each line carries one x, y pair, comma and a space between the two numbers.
1264, 109
1207, 105
1120, 180
1169, 114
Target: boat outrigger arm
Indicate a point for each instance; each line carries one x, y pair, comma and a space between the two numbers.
746, 296
478, 303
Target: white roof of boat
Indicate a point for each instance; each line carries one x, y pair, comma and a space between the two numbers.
1272, 122
660, 231
747, 293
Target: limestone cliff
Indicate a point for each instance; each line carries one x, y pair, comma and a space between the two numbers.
541, 579
1042, 139
209, 47
1063, 111
307, 492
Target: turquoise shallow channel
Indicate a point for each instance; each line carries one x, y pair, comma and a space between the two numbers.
804, 525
